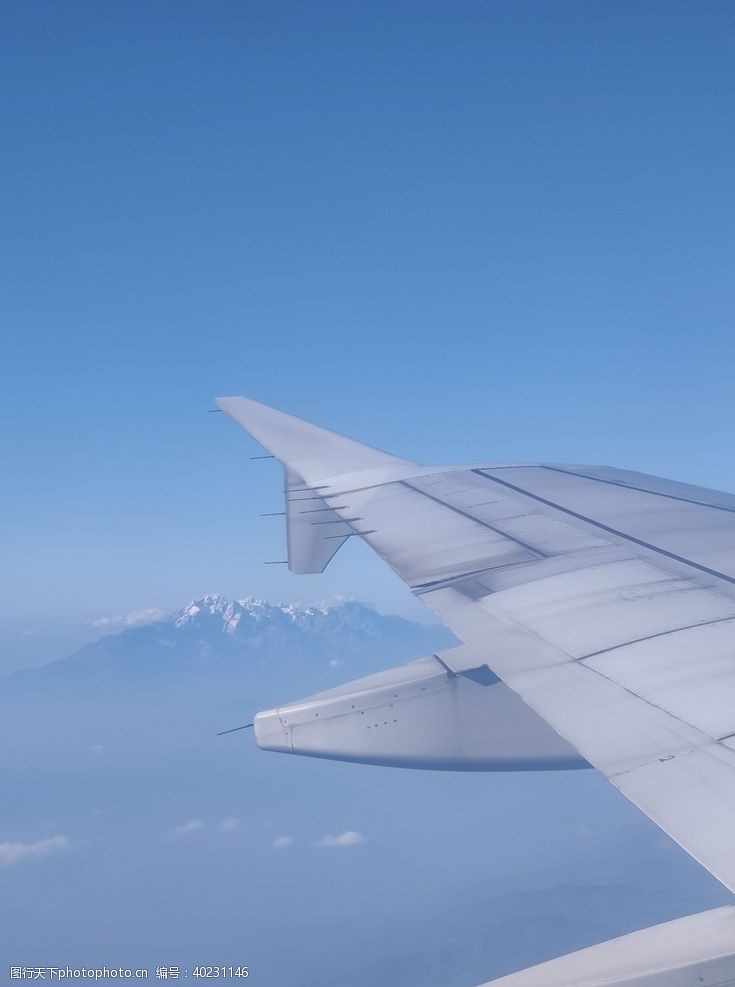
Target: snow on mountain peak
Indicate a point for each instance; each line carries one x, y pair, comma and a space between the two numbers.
250, 609
215, 612
213, 605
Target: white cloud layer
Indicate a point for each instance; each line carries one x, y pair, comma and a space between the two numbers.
15, 853
281, 842
135, 618
192, 826
349, 838
229, 824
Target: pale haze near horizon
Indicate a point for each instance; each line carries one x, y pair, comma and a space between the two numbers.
133, 835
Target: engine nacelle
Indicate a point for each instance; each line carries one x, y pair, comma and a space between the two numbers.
432, 713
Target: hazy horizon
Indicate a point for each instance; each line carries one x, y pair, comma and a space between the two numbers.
125, 812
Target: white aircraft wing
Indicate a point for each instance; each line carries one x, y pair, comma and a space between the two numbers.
600, 603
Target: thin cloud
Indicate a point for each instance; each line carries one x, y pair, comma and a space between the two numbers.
349, 838
15, 853
229, 824
281, 842
185, 829
134, 618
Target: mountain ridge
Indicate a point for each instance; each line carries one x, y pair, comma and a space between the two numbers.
215, 637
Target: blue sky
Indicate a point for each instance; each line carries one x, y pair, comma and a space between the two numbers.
497, 230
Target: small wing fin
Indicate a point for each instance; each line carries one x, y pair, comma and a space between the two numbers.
315, 528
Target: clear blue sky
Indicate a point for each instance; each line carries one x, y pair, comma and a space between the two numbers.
459, 231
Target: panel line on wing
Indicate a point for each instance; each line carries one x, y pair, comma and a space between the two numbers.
631, 486
471, 517
449, 580
651, 637
605, 527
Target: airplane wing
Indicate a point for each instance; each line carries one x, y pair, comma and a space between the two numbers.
596, 607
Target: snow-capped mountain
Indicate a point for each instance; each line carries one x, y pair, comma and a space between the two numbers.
161, 687
234, 642
251, 616
250, 611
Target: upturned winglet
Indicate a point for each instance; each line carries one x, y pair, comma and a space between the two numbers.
316, 528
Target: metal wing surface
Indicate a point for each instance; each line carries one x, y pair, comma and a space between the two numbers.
604, 599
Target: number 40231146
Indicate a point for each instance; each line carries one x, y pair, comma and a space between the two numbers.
212, 972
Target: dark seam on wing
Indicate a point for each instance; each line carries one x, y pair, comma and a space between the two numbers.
477, 520
651, 637
630, 486
611, 531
